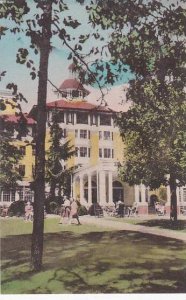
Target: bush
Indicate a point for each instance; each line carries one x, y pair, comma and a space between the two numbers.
82, 210
93, 208
53, 208
16, 208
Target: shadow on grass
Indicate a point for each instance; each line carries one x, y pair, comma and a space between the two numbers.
95, 262
165, 224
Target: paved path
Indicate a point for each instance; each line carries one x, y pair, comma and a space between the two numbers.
118, 225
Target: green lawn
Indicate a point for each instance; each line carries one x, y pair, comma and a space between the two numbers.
180, 225
89, 259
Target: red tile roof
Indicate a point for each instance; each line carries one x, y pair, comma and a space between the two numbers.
72, 84
77, 105
15, 119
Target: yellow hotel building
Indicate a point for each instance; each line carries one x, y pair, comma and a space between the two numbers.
91, 130
27, 163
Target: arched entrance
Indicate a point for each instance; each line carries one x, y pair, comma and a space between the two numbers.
117, 191
94, 191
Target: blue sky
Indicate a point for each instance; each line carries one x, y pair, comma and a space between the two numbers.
58, 63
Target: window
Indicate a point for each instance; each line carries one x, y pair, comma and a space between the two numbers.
22, 170
6, 196
100, 135
75, 94
76, 133
83, 134
82, 118
105, 120
83, 151
60, 117
21, 194
29, 195
100, 152
184, 194
107, 153
22, 150
88, 152
107, 135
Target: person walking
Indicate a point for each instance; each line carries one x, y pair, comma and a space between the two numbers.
74, 211
65, 209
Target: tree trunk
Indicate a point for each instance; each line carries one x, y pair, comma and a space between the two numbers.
52, 189
173, 210
39, 185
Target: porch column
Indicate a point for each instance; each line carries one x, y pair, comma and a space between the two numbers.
81, 189
168, 203
136, 193
16, 195
143, 205
73, 187
110, 188
102, 188
89, 189
143, 198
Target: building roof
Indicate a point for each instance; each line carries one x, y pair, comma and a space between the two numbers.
16, 118
77, 105
72, 84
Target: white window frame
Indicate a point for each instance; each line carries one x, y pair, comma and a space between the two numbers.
83, 134
83, 152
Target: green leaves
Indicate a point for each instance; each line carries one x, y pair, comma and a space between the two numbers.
22, 55
2, 74
2, 31
71, 22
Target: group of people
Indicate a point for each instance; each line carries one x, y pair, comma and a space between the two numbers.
69, 210
121, 210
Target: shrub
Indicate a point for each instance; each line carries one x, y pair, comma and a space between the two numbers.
53, 208
93, 208
16, 208
82, 210
50, 209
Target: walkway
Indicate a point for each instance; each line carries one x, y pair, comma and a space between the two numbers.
119, 225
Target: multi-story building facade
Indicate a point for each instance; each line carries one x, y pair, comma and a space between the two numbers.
99, 151
26, 165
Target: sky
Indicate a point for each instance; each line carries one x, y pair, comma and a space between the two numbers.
58, 62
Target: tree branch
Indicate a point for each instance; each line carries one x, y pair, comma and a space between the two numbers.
83, 62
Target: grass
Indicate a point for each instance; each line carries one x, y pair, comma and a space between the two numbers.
89, 259
180, 225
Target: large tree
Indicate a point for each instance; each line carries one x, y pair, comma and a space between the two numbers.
44, 21
149, 36
59, 152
